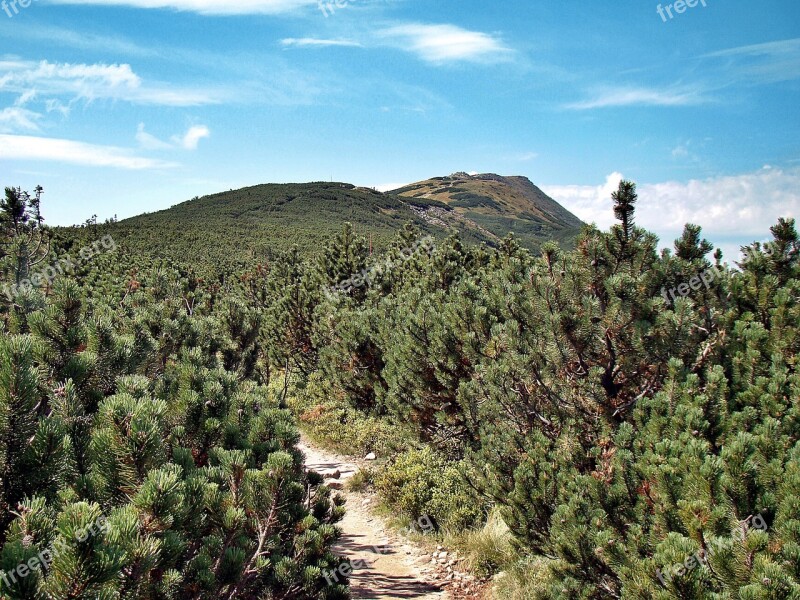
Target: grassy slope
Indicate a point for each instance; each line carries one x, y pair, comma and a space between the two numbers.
235, 230
499, 205
239, 228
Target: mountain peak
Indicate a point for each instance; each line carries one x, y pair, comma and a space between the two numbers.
496, 205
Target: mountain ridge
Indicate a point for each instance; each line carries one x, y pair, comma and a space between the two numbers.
239, 228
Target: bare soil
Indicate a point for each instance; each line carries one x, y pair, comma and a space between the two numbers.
387, 566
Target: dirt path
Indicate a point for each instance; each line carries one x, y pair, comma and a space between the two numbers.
387, 567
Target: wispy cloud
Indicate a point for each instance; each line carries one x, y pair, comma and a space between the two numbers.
16, 118
29, 148
149, 141
771, 62
319, 43
187, 141
85, 40
81, 79
640, 96
756, 64
691, 152
779, 48
440, 44
206, 7
393, 96
96, 82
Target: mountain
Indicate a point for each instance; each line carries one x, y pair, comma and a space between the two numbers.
494, 206
239, 228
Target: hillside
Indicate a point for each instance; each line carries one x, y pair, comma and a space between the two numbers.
235, 229
512, 410
495, 205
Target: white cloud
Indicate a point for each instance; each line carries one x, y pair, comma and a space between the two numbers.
16, 118
192, 137
746, 204
439, 44
207, 7
53, 105
591, 204
187, 141
80, 78
639, 96
319, 43
737, 207
29, 148
94, 82
25, 98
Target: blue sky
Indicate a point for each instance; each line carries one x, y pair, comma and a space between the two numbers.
126, 106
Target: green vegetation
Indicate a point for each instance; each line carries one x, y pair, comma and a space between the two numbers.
470, 200
498, 206
229, 232
140, 455
556, 415
225, 234
618, 433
